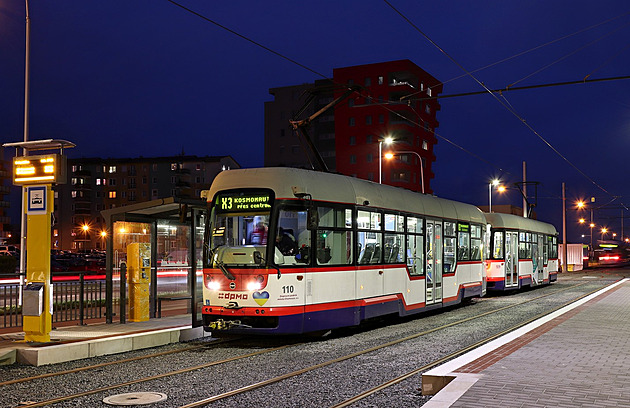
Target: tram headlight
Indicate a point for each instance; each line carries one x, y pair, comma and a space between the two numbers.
211, 283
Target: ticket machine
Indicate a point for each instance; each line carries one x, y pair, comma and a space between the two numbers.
139, 277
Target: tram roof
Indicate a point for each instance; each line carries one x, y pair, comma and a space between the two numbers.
286, 181
510, 221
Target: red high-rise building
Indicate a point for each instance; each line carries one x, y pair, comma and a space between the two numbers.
396, 99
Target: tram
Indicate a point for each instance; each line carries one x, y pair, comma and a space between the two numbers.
291, 251
523, 252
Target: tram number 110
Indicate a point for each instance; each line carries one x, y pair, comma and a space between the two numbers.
288, 289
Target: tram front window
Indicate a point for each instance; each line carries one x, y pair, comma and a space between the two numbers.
246, 231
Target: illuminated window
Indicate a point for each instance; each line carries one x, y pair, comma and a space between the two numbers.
425, 145
380, 80
112, 194
112, 169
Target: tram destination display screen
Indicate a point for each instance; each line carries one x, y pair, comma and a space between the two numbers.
242, 202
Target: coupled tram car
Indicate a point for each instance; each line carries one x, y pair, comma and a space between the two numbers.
290, 251
523, 252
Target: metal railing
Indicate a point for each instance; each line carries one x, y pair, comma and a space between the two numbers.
76, 297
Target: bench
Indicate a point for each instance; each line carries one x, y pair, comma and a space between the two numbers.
170, 298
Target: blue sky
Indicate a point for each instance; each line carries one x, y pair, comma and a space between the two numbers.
130, 78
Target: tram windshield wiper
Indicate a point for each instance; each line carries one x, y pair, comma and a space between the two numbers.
220, 264
224, 269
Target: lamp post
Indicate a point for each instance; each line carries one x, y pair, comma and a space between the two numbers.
494, 183
391, 154
580, 206
26, 102
387, 140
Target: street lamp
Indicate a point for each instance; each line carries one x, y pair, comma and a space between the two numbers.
581, 206
494, 183
387, 140
389, 155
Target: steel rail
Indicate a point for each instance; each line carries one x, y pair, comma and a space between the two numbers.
273, 380
453, 355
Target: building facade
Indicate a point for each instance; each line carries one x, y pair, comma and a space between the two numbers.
96, 184
394, 99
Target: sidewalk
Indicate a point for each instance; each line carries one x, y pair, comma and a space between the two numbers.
576, 357
78, 342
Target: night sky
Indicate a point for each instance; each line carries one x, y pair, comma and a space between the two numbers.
147, 78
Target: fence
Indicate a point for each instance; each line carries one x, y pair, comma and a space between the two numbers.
76, 297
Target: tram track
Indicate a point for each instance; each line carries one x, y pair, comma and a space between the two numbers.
452, 355
122, 361
257, 353
296, 373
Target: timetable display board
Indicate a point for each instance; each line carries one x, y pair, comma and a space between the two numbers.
43, 169
243, 201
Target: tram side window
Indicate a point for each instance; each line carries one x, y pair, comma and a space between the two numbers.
370, 240
554, 248
415, 254
449, 247
293, 239
524, 245
545, 250
463, 242
394, 238
497, 245
475, 243
415, 246
334, 236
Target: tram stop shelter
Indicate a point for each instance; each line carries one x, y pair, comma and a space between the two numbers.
154, 259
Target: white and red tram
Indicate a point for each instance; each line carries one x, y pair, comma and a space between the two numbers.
523, 252
290, 251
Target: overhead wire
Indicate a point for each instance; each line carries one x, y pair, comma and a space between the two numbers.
529, 50
382, 104
568, 55
608, 61
468, 73
520, 88
504, 104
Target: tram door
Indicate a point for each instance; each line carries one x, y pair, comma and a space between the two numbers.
434, 262
541, 261
511, 259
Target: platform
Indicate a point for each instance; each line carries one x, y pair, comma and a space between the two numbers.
576, 357
78, 342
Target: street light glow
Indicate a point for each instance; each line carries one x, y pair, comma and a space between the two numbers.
580, 204
582, 220
501, 189
85, 227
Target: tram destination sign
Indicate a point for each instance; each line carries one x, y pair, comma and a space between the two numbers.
239, 202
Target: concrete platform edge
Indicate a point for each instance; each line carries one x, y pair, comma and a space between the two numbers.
38, 356
445, 377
